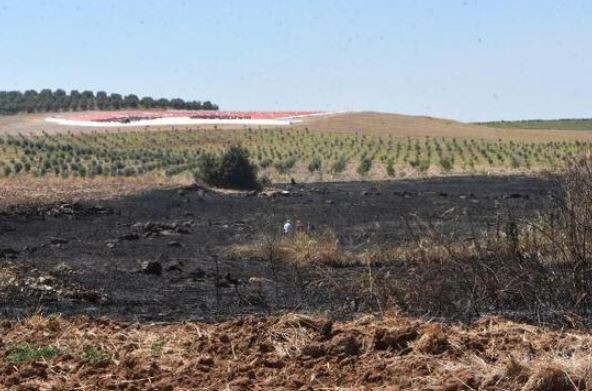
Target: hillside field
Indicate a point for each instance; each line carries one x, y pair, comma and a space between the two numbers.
350, 146
554, 124
119, 271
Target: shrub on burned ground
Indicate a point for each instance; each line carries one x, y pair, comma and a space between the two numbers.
285, 166
315, 165
364, 166
232, 170
390, 168
339, 165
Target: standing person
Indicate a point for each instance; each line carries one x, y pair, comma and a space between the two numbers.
288, 227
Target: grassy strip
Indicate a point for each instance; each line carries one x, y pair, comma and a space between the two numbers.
559, 124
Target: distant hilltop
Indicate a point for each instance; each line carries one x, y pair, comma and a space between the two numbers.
46, 100
557, 124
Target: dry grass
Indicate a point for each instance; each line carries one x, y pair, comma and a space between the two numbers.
299, 248
29, 190
291, 352
323, 248
416, 126
537, 268
8, 275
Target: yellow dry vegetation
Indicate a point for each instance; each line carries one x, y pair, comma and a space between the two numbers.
291, 352
418, 126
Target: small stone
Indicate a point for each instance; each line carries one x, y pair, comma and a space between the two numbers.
56, 240
151, 267
130, 236
63, 268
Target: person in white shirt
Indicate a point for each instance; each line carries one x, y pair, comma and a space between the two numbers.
288, 227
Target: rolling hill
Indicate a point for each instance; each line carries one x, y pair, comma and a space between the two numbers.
419, 126
555, 124
371, 123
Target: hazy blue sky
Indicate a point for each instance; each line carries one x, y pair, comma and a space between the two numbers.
466, 59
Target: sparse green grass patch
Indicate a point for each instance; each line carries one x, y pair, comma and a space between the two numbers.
94, 356
26, 353
157, 348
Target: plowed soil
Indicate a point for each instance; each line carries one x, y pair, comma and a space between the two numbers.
293, 352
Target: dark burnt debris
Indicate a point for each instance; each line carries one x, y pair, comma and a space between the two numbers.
137, 257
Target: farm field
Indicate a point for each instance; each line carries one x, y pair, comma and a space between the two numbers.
177, 287
294, 352
557, 124
400, 125
426, 245
319, 149
308, 196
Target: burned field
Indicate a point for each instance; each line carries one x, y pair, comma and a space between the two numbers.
163, 255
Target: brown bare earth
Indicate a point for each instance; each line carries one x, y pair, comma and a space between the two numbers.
367, 122
28, 124
27, 190
416, 126
292, 352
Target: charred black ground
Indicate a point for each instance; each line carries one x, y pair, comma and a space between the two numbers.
159, 256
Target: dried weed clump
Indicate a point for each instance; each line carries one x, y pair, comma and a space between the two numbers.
537, 267
301, 248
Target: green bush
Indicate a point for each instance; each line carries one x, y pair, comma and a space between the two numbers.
339, 165
284, 166
390, 168
446, 164
364, 166
423, 165
232, 170
18, 166
315, 165
208, 167
265, 163
516, 161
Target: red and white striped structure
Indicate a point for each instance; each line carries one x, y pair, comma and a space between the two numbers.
179, 117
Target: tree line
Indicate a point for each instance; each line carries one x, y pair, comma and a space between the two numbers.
46, 100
